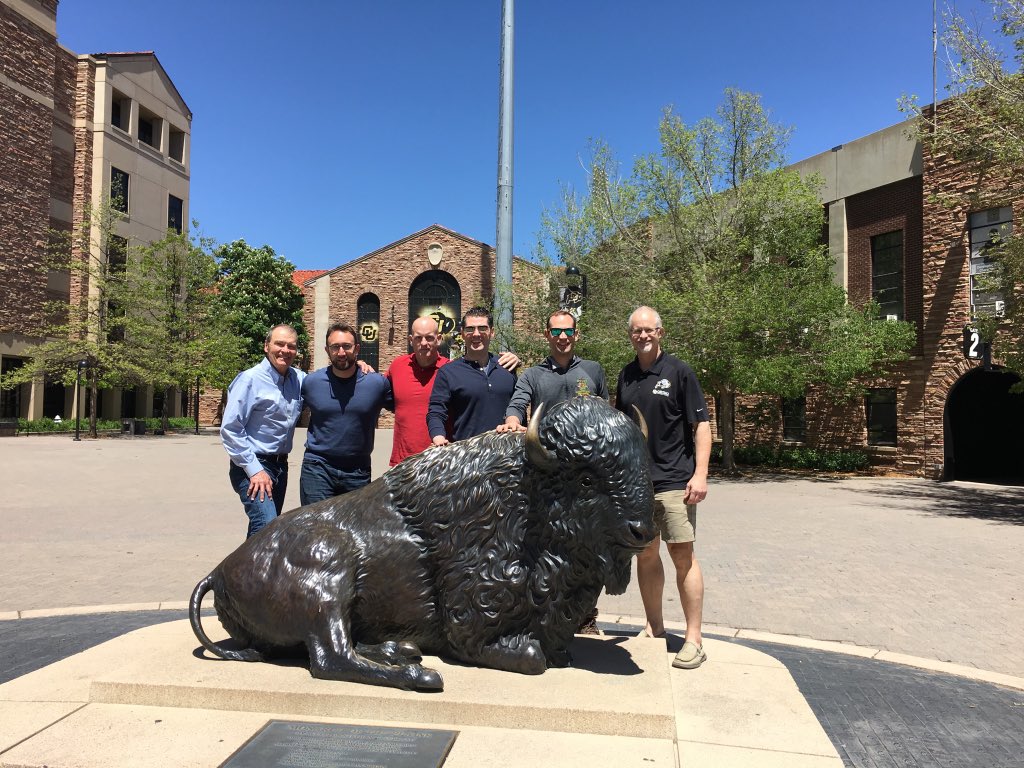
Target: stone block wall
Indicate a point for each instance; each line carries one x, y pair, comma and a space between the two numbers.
27, 62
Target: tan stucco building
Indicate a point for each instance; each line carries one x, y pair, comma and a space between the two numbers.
77, 129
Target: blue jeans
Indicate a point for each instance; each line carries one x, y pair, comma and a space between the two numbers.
319, 480
260, 513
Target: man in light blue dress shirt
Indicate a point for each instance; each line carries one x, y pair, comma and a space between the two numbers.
263, 407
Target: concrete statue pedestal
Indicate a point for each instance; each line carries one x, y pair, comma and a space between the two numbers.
147, 699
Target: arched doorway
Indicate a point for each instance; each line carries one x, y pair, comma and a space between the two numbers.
983, 423
437, 294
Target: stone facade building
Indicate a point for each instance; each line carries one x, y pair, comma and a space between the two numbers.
76, 129
910, 230
435, 271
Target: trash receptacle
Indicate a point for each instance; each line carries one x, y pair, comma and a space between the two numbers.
128, 427
140, 426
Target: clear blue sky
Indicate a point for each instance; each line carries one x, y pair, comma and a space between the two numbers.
330, 131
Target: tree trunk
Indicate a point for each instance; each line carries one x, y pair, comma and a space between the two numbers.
163, 414
727, 401
93, 397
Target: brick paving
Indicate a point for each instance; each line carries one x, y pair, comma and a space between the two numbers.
903, 565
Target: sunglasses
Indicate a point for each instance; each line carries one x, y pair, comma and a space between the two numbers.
556, 332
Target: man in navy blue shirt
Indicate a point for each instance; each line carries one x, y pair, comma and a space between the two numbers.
344, 404
263, 406
471, 393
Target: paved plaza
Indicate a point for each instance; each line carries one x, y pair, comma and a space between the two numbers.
105, 537
907, 566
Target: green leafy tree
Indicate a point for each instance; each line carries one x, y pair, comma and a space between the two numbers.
97, 327
256, 291
188, 338
726, 244
981, 125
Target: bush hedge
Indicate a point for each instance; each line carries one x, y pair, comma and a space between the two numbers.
796, 457
177, 424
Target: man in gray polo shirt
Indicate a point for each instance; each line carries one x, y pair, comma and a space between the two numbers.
561, 376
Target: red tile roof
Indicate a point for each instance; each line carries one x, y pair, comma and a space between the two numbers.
300, 276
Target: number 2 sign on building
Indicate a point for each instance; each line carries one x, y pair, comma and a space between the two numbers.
975, 348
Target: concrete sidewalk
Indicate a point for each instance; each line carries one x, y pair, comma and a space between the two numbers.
902, 566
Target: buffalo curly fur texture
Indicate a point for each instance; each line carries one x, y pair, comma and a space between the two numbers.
484, 551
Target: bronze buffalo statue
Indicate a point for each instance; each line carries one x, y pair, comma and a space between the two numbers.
489, 551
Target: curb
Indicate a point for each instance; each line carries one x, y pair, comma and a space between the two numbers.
633, 624
833, 646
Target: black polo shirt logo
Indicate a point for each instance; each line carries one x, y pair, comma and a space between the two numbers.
661, 388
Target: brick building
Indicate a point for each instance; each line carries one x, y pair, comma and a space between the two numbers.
910, 230
74, 129
435, 271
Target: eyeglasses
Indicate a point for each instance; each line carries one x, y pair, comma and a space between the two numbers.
556, 332
475, 329
339, 347
642, 331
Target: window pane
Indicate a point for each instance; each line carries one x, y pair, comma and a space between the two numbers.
794, 418
175, 206
880, 406
987, 230
887, 273
119, 189
368, 322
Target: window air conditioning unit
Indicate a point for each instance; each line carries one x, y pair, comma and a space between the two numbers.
892, 318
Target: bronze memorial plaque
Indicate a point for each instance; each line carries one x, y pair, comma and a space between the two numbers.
293, 744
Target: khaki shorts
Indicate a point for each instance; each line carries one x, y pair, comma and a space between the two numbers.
676, 520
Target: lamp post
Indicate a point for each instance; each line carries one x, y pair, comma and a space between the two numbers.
573, 296
78, 400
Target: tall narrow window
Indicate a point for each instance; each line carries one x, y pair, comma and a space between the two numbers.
117, 262
117, 255
880, 410
120, 109
368, 324
176, 144
988, 229
794, 419
119, 189
887, 273
175, 209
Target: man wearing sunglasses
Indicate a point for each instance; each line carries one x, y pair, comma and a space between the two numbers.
562, 374
470, 394
344, 403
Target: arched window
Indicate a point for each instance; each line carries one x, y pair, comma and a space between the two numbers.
437, 294
368, 323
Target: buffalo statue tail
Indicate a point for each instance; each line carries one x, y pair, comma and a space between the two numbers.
194, 605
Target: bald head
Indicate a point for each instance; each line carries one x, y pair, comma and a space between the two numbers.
424, 339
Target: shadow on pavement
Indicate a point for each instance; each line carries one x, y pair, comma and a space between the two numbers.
997, 504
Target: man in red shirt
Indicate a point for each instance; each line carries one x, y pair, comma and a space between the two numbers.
412, 380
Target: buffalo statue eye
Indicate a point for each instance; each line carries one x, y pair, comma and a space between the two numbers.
586, 481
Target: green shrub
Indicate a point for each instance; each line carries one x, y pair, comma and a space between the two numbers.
46, 425
175, 423
796, 457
